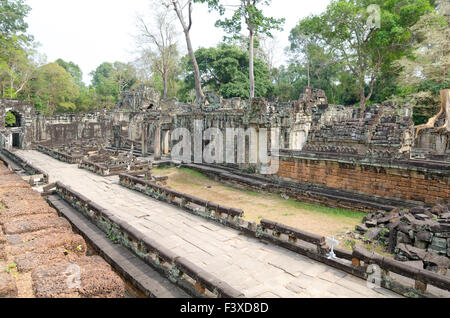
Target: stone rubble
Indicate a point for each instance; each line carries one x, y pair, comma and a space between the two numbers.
417, 234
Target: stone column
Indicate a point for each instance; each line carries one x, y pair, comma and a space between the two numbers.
157, 143
144, 140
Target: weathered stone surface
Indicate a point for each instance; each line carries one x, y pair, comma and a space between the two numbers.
69, 241
362, 228
24, 226
411, 252
95, 279
8, 288
372, 233
403, 238
422, 217
41, 256
424, 236
439, 242
420, 244
417, 210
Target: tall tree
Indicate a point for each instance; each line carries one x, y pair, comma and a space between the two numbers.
250, 14
54, 89
183, 10
159, 45
347, 29
427, 70
225, 70
109, 80
16, 66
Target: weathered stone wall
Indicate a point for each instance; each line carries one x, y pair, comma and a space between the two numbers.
54, 130
402, 180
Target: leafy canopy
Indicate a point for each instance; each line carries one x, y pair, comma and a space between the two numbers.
224, 69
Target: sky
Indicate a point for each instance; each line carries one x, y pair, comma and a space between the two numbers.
90, 32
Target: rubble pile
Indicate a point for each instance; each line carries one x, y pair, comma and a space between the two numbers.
418, 234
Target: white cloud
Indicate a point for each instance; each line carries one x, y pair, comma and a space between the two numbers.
92, 32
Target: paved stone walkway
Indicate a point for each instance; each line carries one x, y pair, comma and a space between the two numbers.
247, 264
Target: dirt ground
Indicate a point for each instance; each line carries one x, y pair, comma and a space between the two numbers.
256, 206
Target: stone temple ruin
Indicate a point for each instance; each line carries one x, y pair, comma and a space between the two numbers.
329, 154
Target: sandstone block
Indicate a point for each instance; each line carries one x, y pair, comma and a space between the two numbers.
8, 288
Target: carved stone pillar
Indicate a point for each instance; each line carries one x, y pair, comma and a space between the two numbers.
157, 143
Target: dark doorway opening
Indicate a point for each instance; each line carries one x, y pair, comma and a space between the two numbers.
16, 140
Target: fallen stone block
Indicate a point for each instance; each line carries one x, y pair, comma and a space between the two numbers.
373, 233
439, 242
411, 252
424, 236
422, 217
403, 238
87, 277
24, 226
437, 260
417, 210
361, 228
8, 288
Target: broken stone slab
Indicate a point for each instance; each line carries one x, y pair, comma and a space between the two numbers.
361, 228
422, 217
385, 219
437, 250
420, 244
373, 233
439, 242
371, 224
86, 277
403, 238
404, 228
439, 261
411, 252
25, 226
424, 236
8, 288
417, 210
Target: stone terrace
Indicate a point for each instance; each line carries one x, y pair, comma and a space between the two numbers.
38, 249
247, 264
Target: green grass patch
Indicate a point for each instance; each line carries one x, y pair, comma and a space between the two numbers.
325, 210
291, 203
2, 206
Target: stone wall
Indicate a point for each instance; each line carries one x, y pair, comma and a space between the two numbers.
405, 180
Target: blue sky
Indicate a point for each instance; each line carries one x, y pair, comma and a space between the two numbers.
90, 32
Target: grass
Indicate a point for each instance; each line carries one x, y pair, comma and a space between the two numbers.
257, 205
326, 210
2, 206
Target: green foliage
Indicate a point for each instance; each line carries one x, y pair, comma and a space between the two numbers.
74, 70
54, 90
109, 80
224, 69
13, 13
427, 69
363, 51
10, 119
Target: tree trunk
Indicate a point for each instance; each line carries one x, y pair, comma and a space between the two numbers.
362, 100
252, 72
198, 85
164, 76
